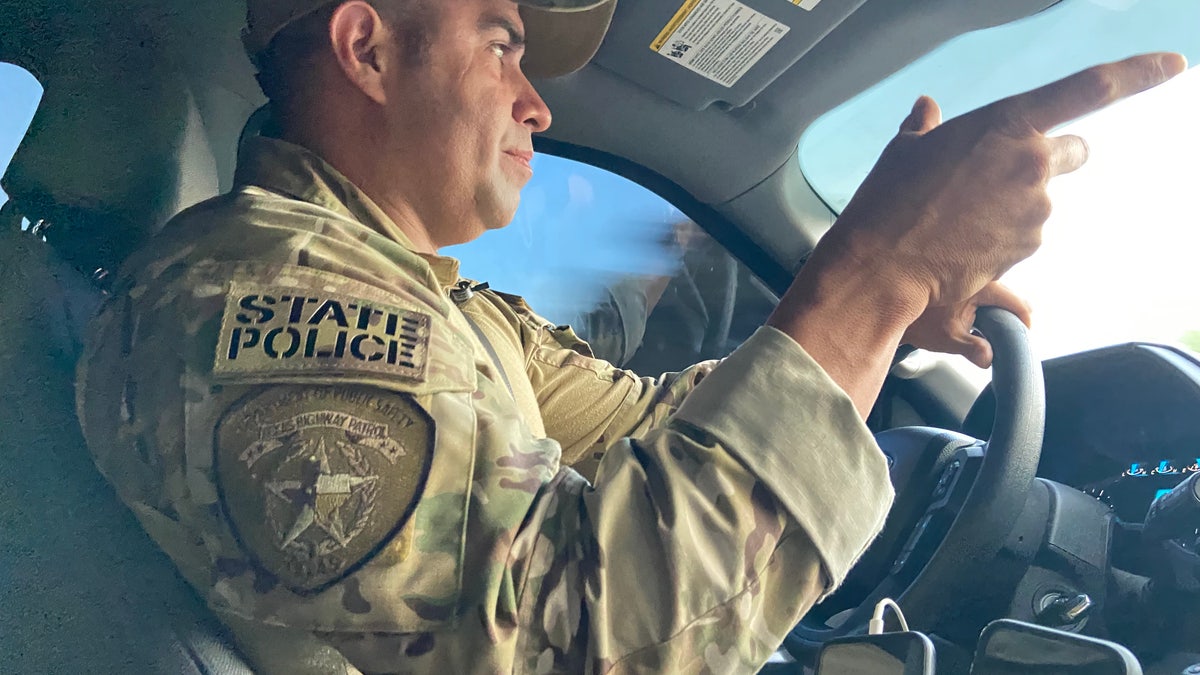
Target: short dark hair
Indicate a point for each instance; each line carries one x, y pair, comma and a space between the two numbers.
291, 54
284, 66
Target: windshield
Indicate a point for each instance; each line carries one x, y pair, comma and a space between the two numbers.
1117, 260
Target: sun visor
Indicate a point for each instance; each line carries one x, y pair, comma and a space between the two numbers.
699, 52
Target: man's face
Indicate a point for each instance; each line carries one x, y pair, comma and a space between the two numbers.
462, 119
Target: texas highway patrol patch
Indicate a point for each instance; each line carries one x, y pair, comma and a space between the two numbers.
316, 479
275, 331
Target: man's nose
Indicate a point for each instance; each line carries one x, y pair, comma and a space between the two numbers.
530, 110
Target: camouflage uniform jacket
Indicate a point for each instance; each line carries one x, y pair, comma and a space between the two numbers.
298, 413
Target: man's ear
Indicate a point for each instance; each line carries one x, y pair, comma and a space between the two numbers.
359, 37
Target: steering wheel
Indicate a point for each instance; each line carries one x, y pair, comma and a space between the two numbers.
978, 492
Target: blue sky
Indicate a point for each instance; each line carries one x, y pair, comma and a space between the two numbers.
19, 96
578, 229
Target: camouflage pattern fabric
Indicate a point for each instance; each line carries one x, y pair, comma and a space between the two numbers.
303, 419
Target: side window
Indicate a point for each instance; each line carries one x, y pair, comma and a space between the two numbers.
648, 288
20, 94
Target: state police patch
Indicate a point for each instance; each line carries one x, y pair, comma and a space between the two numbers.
314, 479
274, 331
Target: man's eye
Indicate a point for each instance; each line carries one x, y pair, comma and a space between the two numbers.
501, 50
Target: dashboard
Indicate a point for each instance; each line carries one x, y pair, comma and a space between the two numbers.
1130, 493
1123, 427
1121, 423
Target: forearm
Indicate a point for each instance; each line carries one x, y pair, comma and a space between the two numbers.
849, 322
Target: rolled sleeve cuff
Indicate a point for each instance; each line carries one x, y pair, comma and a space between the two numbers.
771, 405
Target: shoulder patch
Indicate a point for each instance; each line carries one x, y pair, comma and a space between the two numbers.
278, 331
315, 480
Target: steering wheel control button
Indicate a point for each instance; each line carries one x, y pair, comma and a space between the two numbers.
1059, 610
911, 544
918, 531
947, 478
957, 479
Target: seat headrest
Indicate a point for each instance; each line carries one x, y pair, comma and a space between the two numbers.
142, 108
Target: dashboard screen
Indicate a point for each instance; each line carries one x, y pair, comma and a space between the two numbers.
1131, 492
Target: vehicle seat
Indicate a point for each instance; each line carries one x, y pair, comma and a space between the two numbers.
82, 588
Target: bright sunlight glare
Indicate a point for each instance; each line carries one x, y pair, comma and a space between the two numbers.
1118, 260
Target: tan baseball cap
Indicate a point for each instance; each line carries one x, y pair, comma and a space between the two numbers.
561, 35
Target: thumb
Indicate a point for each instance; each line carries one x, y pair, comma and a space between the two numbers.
925, 116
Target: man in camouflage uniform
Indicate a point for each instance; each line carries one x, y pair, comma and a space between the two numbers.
362, 461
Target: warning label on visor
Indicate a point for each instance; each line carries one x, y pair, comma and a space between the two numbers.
719, 39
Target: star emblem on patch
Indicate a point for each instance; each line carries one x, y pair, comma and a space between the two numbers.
315, 479
326, 499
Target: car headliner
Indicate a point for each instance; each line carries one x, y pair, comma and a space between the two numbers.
144, 103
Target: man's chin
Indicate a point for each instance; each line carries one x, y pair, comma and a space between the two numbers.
502, 212
500, 224
469, 232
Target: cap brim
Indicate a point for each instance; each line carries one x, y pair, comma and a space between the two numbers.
559, 42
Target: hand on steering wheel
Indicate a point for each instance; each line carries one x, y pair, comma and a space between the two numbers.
948, 328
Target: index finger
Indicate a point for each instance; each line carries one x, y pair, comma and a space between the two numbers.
1089, 90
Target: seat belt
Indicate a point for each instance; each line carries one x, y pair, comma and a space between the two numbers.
461, 295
